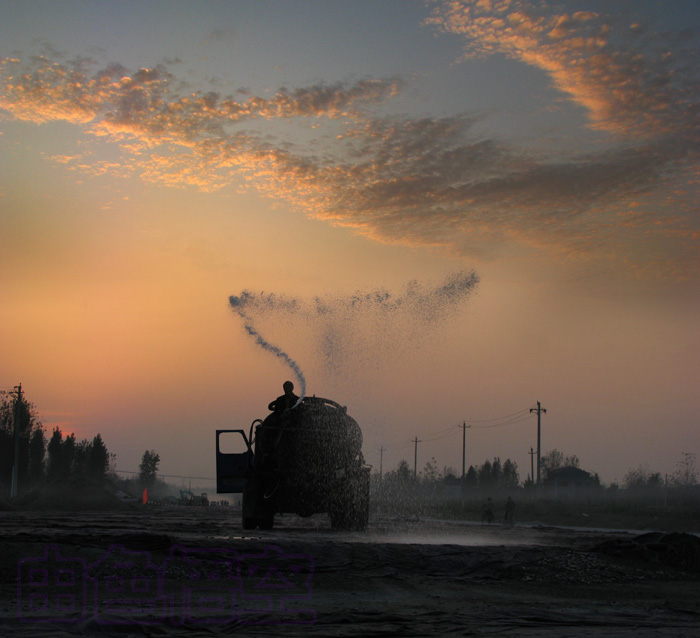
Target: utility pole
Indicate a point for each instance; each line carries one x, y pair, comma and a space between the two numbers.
540, 410
381, 460
15, 465
415, 459
464, 450
532, 465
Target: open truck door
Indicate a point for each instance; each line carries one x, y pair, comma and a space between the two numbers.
234, 455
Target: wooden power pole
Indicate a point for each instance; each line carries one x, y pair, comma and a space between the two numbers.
15, 465
415, 459
464, 451
540, 410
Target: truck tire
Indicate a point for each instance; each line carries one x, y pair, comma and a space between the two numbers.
339, 519
266, 523
349, 510
249, 523
360, 514
256, 510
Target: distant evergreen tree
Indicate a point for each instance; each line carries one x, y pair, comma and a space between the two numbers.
54, 452
496, 472
80, 457
68, 454
148, 469
403, 471
98, 461
471, 478
510, 478
485, 475
37, 454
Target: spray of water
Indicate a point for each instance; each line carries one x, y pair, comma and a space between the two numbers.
358, 333
239, 305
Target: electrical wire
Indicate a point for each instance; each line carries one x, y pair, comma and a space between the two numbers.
498, 425
199, 478
507, 416
508, 419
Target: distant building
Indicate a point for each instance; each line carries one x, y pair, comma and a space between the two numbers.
569, 481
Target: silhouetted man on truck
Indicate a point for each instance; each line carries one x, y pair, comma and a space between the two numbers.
286, 401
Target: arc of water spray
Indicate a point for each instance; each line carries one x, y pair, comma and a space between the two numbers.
238, 304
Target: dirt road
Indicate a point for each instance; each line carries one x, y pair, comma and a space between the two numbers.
194, 572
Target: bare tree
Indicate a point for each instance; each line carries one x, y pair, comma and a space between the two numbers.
554, 459
687, 473
641, 477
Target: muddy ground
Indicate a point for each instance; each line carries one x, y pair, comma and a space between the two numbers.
195, 572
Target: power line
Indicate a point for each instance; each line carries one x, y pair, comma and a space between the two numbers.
199, 478
507, 416
516, 417
444, 435
499, 425
449, 428
508, 419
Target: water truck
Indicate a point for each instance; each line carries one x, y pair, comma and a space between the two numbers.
305, 460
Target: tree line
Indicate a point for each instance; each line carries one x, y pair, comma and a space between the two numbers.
642, 478
489, 475
60, 455
495, 475
40, 458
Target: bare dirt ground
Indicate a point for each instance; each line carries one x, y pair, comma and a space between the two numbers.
194, 572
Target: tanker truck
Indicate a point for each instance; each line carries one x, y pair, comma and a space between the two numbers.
306, 460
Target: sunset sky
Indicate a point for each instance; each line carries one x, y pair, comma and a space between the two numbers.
442, 212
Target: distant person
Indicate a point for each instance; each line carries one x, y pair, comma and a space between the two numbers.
509, 520
286, 401
487, 514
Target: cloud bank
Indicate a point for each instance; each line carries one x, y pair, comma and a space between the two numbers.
427, 181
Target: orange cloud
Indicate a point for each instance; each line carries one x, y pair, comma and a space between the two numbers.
630, 86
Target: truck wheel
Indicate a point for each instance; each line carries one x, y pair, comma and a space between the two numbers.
266, 523
349, 510
359, 512
339, 518
249, 523
249, 505
257, 511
